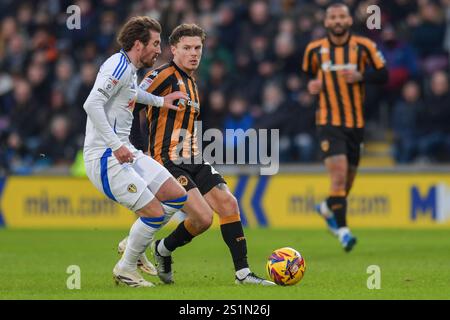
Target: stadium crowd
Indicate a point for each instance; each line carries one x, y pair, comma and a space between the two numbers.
249, 77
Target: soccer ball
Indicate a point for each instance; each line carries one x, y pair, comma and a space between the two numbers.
286, 266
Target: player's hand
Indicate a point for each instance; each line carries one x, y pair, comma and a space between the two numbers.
123, 155
314, 86
352, 76
171, 97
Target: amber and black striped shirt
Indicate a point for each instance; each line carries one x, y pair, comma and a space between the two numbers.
172, 134
341, 104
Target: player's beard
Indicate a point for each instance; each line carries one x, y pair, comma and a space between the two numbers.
342, 32
148, 63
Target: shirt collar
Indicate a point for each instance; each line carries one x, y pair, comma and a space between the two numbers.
133, 67
180, 70
342, 45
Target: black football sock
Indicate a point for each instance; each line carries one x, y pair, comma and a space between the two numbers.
179, 237
233, 235
338, 205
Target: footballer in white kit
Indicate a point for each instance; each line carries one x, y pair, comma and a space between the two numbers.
114, 94
113, 164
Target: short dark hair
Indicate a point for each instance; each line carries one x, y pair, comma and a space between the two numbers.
338, 5
186, 30
137, 28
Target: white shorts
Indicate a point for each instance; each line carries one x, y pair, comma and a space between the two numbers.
133, 185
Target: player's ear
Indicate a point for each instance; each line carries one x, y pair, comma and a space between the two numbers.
138, 45
173, 49
351, 21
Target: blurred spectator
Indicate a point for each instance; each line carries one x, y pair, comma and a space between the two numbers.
236, 123
303, 131
401, 60
215, 111
40, 84
275, 115
88, 75
404, 122
58, 146
66, 80
428, 37
108, 28
26, 118
434, 122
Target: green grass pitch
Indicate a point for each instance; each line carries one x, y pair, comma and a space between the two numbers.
415, 264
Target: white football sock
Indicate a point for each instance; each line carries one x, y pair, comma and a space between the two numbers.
139, 239
241, 274
168, 213
343, 231
162, 250
325, 211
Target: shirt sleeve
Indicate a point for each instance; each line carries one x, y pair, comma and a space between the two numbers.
109, 80
157, 83
310, 62
149, 99
375, 56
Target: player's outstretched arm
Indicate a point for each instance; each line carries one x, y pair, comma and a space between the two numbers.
171, 97
147, 98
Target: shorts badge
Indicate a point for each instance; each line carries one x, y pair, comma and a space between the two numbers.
132, 188
325, 145
182, 180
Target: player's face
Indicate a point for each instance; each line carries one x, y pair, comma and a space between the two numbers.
151, 51
188, 52
338, 20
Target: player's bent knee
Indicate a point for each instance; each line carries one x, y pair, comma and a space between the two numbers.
171, 189
204, 223
173, 205
228, 206
151, 209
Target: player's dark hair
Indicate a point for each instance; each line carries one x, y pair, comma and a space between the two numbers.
186, 30
137, 28
338, 5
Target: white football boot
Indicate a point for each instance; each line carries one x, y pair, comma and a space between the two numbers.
143, 263
130, 278
252, 278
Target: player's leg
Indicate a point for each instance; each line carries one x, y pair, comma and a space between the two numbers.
140, 237
123, 185
225, 204
354, 148
337, 167
198, 219
166, 189
351, 175
332, 144
172, 197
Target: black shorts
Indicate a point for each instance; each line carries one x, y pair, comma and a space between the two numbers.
202, 176
340, 140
